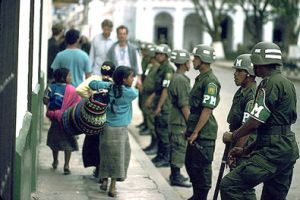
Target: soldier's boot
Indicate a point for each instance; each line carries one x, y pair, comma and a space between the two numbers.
199, 194
164, 161
177, 179
152, 148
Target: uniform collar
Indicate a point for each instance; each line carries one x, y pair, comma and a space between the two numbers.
201, 75
245, 91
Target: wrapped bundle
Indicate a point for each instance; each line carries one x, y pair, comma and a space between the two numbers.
88, 116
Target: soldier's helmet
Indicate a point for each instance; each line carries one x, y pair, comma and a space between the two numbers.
266, 53
163, 48
143, 45
180, 56
205, 53
151, 48
244, 62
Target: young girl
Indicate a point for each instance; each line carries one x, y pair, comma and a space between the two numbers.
90, 148
114, 142
60, 95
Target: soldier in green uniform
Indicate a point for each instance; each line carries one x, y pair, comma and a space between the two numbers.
275, 150
241, 107
148, 89
162, 104
179, 95
145, 62
202, 125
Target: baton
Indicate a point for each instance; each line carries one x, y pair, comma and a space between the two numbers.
222, 167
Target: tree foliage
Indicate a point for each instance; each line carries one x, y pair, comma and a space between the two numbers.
211, 13
287, 11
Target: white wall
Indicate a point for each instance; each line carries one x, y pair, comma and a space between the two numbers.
23, 63
23, 53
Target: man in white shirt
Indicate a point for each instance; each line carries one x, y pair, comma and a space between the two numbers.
100, 45
123, 53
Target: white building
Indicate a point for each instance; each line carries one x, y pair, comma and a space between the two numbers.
175, 22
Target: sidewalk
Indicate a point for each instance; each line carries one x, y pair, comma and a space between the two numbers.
143, 182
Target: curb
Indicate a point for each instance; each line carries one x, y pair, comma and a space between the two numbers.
162, 185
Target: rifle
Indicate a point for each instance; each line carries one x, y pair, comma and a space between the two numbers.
221, 171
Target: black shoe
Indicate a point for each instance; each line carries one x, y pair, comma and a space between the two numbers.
179, 181
67, 171
183, 178
156, 159
140, 125
162, 163
145, 132
151, 151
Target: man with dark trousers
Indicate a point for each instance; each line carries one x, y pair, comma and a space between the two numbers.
275, 150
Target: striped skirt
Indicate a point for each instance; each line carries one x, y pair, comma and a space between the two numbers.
114, 152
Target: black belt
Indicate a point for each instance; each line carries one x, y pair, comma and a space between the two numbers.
267, 130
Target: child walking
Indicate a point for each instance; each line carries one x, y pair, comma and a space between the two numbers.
114, 142
59, 96
90, 148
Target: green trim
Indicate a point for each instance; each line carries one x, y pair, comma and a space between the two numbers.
21, 147
21, 139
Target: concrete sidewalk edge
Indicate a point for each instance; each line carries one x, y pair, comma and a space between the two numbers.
162, 185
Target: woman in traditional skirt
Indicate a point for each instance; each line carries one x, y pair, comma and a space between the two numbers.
114, 142
90, 148
59, 96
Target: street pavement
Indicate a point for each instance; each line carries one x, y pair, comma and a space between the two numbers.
143, 181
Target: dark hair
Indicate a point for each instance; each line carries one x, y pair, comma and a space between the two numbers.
57, 29
72, 36
108, 68
122, 27
121, 73
107, 22
60, 75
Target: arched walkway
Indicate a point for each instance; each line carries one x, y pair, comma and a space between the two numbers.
163, 29
193, 33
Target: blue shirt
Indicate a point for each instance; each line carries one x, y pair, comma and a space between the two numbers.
76, 60
122, 114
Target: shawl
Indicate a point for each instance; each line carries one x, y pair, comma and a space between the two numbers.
70, 99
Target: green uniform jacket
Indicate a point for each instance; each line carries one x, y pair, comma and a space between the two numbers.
179, 95
242, 104
149, 81
275, 107
162, 80
205, 93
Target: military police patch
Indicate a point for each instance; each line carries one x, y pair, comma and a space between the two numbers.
211, 89
247, 110
260, 111
168, 76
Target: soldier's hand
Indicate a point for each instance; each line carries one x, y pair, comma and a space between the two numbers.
236, 152
227, 137
231, 162
192, 138
157, 111
148, 103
